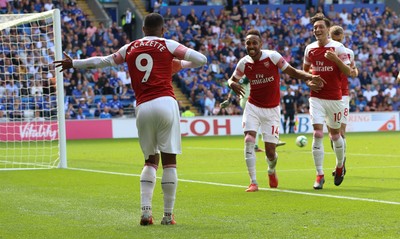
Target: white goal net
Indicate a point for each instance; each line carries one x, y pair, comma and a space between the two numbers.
32, 123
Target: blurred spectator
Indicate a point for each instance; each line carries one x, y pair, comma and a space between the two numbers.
106, 113
368, 93
38, 117
361, 103
91, 30
187, 112
390, 90
123, 76
11, 88
124, 93
107, 89
116, 108
70, 112
84, 106
373, 105
365, 78
157, 5
17, 109
77, 93
3, 116
114, 81
128, 20
89, 95
46, 107
2, 89
80, 115
209, 103
101, 105
37, 88
217, 108
354, 82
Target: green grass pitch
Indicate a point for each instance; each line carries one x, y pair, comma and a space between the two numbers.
98, 195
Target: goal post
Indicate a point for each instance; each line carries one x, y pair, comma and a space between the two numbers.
32, 118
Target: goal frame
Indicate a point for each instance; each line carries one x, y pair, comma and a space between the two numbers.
56, 17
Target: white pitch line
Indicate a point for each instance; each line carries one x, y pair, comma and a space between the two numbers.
240, 186
297, 151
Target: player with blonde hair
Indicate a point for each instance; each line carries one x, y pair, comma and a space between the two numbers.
337, 34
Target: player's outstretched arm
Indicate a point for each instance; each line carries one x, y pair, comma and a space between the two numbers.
92, 62
193, 59
315, 82
65, 64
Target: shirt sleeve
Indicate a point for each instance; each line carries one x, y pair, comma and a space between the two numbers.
190, 57
306, 60
102, 61
278, 60
239, 70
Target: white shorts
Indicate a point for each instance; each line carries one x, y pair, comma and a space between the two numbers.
158, 124
329, 111
346, 108
265, 119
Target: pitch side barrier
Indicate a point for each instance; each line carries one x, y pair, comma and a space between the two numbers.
194, 126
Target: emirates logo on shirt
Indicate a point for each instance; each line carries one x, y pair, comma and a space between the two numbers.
321, 67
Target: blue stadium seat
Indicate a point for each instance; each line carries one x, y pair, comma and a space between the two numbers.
97, 99
126, 102
109, 97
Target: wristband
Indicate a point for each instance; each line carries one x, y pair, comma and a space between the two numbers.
230, 81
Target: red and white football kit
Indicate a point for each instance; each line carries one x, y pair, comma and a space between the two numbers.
326, 105
262, 108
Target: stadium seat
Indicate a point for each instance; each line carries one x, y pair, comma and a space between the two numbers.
97, 99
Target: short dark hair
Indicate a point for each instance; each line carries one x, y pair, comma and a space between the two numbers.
321, 17
254, 32
153, 21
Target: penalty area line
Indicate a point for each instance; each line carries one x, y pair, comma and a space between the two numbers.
241, 186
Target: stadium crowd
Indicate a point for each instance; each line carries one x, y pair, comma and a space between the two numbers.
374, 36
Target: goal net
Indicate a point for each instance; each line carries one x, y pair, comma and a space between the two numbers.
32, 122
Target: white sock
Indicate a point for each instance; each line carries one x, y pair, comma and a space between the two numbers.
169, 183
147, 184
318, 154
250, 158
257, 137
344, 146
338, 146
272, 163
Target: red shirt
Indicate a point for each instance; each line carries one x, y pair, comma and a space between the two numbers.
150, 66
263, 77
328, 70
345, 80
